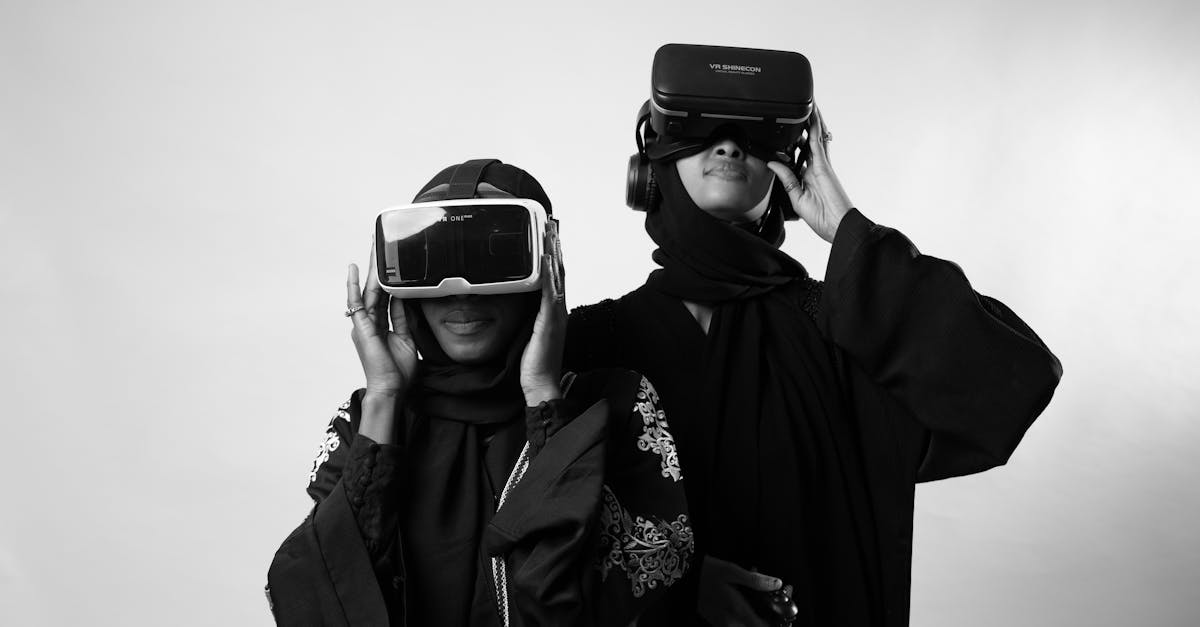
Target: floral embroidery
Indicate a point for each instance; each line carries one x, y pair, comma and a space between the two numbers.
649, 552
655, 436
331, 442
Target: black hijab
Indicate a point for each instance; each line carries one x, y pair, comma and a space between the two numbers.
774, 475
463, 420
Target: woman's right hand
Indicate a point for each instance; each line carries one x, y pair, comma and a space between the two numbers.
388, 356
723, 588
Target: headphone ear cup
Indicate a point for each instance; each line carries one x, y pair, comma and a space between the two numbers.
640, 188
652, 194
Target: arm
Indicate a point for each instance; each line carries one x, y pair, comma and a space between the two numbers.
967, 368
971, 373
327, 571
646, 540
336, 567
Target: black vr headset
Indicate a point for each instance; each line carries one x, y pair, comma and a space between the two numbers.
762, 99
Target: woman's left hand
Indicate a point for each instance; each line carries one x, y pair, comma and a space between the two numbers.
820, 199
541, 364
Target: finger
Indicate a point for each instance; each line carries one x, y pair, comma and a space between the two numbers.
399, 318
559, 269
817, 134
374, 298
550, 293
791, 183
753, 580
354, 300
353, 295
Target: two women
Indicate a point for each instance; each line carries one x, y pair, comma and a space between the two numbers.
470, 482
472, 486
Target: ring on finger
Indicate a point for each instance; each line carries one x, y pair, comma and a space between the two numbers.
351, 311
792, 185
826, 137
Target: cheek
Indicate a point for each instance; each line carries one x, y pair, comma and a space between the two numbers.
430, 308
762, 185
692, 176
512, 311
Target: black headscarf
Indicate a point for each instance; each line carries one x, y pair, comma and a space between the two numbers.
462, 418
774, 476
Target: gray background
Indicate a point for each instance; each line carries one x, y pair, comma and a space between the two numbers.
183, 184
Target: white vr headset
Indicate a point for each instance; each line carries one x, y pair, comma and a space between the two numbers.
462, 246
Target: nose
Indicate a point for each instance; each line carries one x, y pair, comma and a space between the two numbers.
726, 147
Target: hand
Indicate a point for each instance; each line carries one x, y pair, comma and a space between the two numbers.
541, 363
388, 357
820, 199
723, 589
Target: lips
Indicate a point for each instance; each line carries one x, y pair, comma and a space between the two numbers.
730, 171
466, 322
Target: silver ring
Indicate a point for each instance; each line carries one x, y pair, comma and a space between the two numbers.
350, 311
826, 137
793, 185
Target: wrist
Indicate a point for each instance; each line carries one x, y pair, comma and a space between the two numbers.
834, 221
380, 402
539, 393
378, 416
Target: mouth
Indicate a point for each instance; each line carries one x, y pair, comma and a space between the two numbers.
465, 322
731, 171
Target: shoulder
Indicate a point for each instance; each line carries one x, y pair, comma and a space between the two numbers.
595, 317
605, 314
804, 294
809, 291
595, 334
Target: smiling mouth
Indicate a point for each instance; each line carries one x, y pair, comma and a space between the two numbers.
466, 323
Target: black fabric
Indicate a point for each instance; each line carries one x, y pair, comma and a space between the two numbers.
774, 486
709, 261
457, 412
936, 381
466, 178
552, 531
450, 487
503, 176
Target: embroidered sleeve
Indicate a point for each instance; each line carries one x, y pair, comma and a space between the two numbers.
645, 536
370, 480
332, 452
656, 438
650, 552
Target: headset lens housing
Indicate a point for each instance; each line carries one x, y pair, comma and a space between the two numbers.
471, 246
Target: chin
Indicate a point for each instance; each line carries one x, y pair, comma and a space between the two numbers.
469, 352
725, 208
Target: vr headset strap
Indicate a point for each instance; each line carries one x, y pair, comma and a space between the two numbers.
466, 177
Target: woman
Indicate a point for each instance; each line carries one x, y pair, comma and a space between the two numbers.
469, 483
806, 412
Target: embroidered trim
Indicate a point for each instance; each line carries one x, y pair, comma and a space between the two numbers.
655, 436
649, 552
499, 568
331, 442
812, 297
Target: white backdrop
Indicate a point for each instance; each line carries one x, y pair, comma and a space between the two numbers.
183, 184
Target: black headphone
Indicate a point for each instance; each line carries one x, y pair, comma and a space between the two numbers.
641, 190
